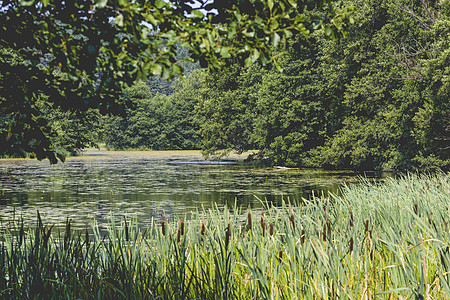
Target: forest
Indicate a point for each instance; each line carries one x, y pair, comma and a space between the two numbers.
376, 99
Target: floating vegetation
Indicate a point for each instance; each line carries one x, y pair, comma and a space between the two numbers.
387, 239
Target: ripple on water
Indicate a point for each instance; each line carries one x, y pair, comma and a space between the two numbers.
145, 186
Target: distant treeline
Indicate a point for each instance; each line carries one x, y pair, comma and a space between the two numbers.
378, 99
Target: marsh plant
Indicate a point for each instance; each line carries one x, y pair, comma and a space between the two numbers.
377, 240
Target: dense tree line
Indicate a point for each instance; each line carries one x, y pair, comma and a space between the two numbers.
376, 99
157, 122
81, 55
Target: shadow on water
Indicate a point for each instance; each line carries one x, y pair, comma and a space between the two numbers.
146, 186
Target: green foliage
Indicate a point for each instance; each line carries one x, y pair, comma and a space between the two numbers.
226, 110
388, 239
158, 122
73, 132
391, 101
81, 55
377, 99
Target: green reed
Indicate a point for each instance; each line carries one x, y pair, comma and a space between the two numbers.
378, 240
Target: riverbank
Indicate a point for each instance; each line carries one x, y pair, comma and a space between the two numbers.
159, 153
387, 239
95, 152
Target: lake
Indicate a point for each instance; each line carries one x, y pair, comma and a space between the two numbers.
146, 185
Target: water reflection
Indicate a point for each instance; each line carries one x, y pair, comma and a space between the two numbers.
146, 186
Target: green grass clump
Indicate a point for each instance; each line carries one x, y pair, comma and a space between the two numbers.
378, 240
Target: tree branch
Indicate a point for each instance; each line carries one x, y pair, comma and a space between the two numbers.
410, 12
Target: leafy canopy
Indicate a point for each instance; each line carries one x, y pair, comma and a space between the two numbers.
82, 54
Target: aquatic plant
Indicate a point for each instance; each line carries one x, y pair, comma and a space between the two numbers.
387, 239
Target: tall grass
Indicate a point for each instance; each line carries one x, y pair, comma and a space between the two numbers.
388, 240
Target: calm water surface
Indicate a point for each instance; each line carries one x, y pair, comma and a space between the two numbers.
146, 185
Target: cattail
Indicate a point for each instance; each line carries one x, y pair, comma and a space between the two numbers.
429, 218
249, 218
178, 235
202, 232
351, 244
86, 236
366, 226
67, 234
227, 236
292, 221
163, 227
351, 217
415, 206
271, 228
303, 235
21, 234
263, 225
126, 230
324, 232
182, 227
329, 228
280, 255
282, 238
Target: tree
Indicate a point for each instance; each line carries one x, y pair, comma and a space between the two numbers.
158, 122
395, 97
82, 54
377, 99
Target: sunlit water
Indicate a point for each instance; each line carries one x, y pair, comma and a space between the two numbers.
146, 185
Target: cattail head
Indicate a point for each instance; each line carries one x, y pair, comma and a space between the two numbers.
21, 233
227, 236
366, 225
126, 230
351, 217
249, 218
182, 227
271, 228
67, 234
178, 235
415, 206
263, 225
324, 232
328, 227
280, 255
351, 244
303, 235
202, 232
291, 218
163, 227
86, 236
